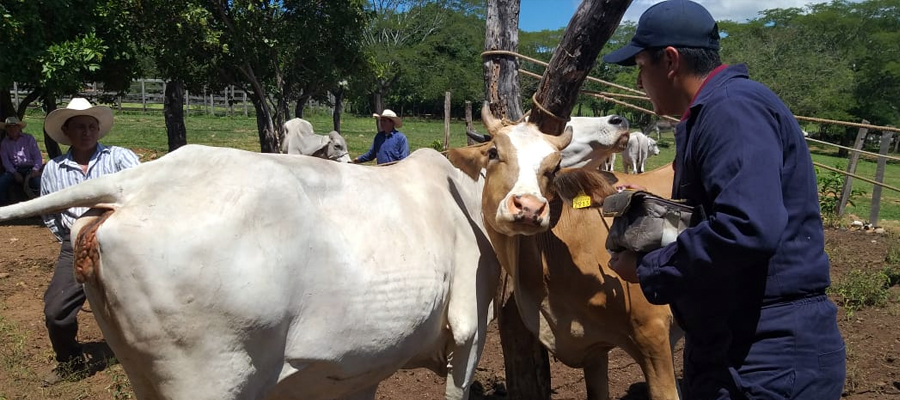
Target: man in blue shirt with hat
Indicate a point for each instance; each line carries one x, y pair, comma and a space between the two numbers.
748, 283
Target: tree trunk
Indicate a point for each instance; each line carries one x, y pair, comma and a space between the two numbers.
525, 359
338, 107
49, 104
501, 74
7, 108
589, 29
301, 104
378, 101
173, 111
268, 137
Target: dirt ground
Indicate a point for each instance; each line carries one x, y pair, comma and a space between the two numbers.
28, 252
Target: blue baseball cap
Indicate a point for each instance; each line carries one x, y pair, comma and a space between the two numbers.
677, 23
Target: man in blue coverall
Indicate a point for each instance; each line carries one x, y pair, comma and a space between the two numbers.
748, 283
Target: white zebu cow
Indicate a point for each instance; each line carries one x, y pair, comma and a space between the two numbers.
299, 138
292, 278
595, 140
609, 163
639, 148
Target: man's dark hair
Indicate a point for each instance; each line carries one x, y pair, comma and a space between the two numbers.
699, 61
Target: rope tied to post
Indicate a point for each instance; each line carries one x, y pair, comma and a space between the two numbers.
547, 112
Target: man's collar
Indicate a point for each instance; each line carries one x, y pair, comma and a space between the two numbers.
100, 149
687, 113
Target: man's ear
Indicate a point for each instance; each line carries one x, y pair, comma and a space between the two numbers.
672, 61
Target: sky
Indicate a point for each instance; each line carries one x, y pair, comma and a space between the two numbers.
536, 15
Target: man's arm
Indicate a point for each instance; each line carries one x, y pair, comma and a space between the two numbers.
404, 147
739, 153
124, 158
49, 185
371, 153
35, 153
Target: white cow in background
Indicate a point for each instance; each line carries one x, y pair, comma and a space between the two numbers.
639, 148
595, 140
282, 277
609, 163
299, 138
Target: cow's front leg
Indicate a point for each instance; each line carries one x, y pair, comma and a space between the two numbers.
596, 377
462, 362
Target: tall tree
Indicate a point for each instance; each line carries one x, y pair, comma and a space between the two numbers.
272, 47
52, 48
185, 50
526, 361
454, 49
395, 28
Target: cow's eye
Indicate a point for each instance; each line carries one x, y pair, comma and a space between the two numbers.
492, 153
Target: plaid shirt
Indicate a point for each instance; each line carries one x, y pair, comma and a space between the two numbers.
62, 172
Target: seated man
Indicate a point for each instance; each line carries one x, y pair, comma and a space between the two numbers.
21, 160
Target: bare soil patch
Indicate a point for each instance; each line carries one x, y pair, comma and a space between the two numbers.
28, 253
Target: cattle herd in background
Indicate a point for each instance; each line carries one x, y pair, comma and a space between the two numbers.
278, 289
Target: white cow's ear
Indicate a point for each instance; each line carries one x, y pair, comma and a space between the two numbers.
470, 160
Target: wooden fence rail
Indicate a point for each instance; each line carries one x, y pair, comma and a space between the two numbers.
148, 95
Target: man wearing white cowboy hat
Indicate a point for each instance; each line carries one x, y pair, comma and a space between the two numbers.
80, 125
21, 159
389, 143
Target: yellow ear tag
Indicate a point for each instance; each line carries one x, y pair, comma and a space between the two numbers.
581, 201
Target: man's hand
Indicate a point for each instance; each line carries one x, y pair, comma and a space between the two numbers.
19, 177
625, 264
630, 186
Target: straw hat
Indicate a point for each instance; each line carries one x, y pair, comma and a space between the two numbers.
10, 121
390, 115
77, 106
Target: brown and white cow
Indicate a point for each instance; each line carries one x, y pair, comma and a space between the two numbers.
556, 256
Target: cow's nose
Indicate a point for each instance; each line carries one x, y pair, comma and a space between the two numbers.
528, 208
617, 120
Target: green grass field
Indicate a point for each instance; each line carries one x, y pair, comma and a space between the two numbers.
146, 134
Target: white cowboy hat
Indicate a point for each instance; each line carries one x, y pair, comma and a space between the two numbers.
390, 115
14, 121
77, 106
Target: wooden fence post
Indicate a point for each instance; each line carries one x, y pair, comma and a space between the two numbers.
879, 176
230, 100
143, 96
187, 102
446, 120
16, 91
851, 168
469, 140
244, 100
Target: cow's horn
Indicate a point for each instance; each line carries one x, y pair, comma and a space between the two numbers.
477, 137
487, 118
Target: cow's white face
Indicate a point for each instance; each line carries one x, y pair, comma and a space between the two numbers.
337, 148
520, 163
609, 132
653, 148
